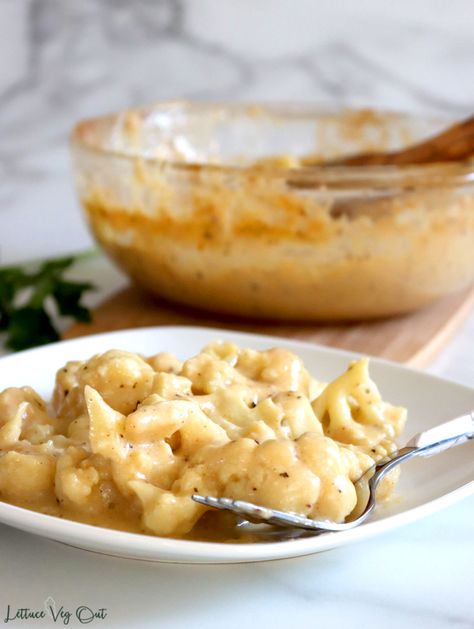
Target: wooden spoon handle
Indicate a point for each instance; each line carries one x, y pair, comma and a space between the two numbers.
454, 144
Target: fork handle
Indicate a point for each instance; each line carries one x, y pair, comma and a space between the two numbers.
429, 443
444, 436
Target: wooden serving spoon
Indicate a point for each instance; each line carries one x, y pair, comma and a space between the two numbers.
455, 144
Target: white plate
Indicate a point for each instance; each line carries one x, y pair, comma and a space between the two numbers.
426, 486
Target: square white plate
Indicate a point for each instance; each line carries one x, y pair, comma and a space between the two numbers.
427, 485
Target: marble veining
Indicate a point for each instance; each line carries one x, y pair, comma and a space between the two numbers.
62, 60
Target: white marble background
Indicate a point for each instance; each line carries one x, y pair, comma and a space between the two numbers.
61, 60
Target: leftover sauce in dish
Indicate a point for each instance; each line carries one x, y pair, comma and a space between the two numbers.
221, 208
127, 440
258, 246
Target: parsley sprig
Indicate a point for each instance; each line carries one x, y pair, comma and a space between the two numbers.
31, 301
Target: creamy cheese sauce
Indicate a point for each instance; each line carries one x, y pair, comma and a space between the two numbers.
127, 440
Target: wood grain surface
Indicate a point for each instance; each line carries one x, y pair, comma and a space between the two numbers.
413, 339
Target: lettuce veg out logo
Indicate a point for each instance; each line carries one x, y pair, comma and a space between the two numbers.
83, 614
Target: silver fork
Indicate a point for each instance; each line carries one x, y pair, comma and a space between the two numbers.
424, 444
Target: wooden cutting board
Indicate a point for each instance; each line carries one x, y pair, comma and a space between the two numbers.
414, 339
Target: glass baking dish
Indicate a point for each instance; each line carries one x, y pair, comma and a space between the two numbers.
230, 208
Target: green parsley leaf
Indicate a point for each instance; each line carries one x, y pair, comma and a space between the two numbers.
30, 326
31, 301
68, 298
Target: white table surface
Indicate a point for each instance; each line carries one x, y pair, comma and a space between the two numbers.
418, 576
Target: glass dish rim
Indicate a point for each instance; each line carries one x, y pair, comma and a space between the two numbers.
333, 176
